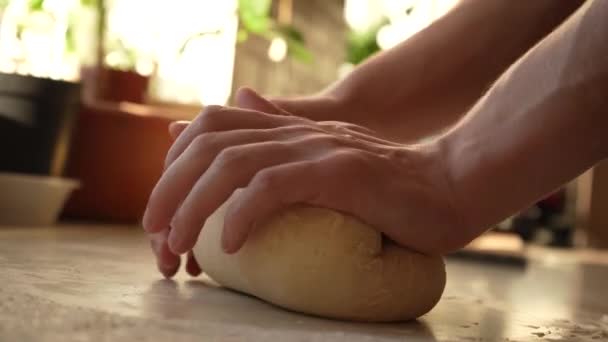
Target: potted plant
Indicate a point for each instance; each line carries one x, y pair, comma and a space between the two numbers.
120, 141
119, 81
255, 19
119, 146
37, 105
111, 75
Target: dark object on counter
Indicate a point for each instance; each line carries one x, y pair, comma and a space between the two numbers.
36, 120
546, 222
491, 257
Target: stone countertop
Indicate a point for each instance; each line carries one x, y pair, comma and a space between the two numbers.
99, 283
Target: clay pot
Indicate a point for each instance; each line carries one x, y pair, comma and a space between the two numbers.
122, 86
118, 156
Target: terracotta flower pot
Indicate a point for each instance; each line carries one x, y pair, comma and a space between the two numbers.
118, 157
122, 86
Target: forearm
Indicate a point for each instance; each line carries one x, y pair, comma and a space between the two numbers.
430, 80
543, 123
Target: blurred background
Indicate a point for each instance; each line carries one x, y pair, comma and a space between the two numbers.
194, 53
88, 87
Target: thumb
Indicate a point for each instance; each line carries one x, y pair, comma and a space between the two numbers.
247, 98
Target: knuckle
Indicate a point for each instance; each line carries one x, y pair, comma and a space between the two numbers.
267, 180
205, 142
232, 157
211, 119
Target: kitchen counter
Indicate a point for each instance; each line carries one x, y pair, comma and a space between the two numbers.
99, 283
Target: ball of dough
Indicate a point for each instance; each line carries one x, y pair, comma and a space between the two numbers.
324, 263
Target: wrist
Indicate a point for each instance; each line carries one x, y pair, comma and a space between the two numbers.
457, 161
435, 163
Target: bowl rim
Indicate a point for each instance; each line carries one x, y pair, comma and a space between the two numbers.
40, 179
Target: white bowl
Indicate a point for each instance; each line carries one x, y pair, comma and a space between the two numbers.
29, 200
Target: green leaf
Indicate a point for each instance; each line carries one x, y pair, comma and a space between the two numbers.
296, 46
255, 24
362, 45
36, 5
290, 32
255, 18
255, 15
258, 8
298, 51
70, 40
89, 3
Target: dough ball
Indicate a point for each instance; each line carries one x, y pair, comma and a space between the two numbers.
324, 263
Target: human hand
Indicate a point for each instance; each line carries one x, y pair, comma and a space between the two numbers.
168, 262
280, 160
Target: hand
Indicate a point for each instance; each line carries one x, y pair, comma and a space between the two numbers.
411, 121
280, 160
168, 262
317, 108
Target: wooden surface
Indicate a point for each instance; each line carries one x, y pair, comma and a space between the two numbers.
99, 283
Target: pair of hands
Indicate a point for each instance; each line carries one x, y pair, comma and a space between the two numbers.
279, 159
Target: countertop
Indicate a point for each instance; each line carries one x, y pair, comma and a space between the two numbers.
98, 283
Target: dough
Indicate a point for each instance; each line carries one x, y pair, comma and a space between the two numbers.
321, 262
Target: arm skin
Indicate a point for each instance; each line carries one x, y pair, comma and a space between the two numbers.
544, 122
430, 80
541, 124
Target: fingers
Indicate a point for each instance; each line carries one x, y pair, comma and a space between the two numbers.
332, 182
176, 128
217, 118
271, 190
192, 266
166, 261
247, 98
232, 169
176, 182
180, 178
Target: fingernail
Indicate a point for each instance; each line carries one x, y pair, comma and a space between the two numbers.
174, 243
168, 265
167, 272
229, 244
